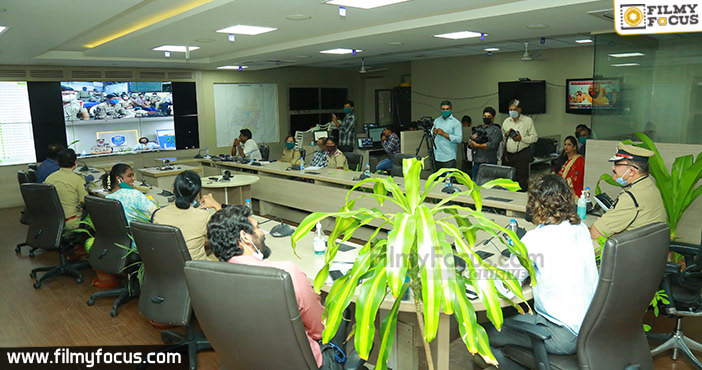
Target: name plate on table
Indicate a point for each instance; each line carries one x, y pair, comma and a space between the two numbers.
498, 199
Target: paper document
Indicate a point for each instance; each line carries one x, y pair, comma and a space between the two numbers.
312, 168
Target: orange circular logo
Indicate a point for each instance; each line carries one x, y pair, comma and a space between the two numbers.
633, 17
662, 21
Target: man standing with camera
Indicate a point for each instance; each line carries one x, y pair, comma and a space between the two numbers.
485, 141
519, 132
447, 133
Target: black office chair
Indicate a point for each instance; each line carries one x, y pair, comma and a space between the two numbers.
46, 231
32, 166
265, 151
396, 169
303, 153
23, 178
682, 286
488, 172
612, 334
108, 251
164, 295
267, 316
354, 160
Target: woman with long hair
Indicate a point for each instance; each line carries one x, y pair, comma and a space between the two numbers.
573, 168
188, 214
120, 185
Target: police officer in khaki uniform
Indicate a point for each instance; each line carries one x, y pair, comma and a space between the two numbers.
639, 203
110, 108
335, 158
70, 188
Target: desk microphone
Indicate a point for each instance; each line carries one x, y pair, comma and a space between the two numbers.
226, 175
84, 168
279, 231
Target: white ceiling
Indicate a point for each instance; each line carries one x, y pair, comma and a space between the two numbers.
52, 32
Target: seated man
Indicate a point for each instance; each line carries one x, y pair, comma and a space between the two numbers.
639, 203
70, 187
235, 237
566, 273
335, 158
320, 155
391, 146
245, 147
49, 165
145, 144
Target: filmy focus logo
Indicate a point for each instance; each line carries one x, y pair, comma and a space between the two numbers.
636, 18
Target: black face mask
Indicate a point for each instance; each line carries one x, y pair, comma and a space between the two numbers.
486, 120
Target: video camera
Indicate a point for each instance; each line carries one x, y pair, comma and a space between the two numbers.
425, 123
481, 136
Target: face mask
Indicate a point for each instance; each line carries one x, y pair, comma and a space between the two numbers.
514, 114
620, 180
582, 139
124, 185
114, 101
290, 145
487, 121
445, 113
319, 149
331, 149
66, 98
256, 252
347, 110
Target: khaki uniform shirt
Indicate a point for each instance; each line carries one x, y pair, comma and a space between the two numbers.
624, 214
337, 160
71, 192
73, 110
192, 223
525, 127
291, 156
106, 109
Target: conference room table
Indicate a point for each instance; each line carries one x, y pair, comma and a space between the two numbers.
233, 190
406, 346
164, 177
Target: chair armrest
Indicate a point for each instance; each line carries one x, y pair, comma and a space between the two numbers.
532, 330
685, 249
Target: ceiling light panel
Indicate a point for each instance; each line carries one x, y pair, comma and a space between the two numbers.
232, 67
241, 29
176, 48
340, 51
492, 49
459, 35
626, 65
584, 41
627, 55
364, 4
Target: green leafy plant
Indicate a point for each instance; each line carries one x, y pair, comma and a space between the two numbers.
658, 298
87, 228
418, 256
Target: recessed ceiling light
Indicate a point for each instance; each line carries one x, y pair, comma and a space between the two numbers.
492, 49
460, 35
340, 51
627, 55
364, 4
205, 40
396, 43
241, 29
584, 41
176, 48
233, 67
3, 29
298, 17
538, 26
625, 64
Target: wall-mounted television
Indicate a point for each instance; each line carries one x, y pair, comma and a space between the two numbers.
585, 94
531, 94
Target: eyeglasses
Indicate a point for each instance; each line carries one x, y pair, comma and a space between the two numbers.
625, 164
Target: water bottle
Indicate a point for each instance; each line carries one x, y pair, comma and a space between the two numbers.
320, 246
582, 206
248, 204
302, 164
587, 197
512, 226
366, 171
447, 182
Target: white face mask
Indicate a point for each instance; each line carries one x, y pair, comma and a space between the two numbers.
67, 97
513, 114
256, 253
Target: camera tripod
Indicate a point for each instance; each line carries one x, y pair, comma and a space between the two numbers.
429, 138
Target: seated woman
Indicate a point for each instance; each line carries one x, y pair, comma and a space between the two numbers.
120, 184
186, 215
573, 168
566, 273
290, 154
335, 158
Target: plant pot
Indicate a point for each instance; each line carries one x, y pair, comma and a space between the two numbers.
105, 280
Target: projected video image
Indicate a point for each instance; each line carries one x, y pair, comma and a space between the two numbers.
600, 93
107, 117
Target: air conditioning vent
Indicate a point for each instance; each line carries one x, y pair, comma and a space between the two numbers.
46, 73
605, 14
159, 76
13, 73
180, 75
119, 75
86, 75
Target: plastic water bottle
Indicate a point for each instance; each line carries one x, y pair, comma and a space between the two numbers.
320, 246
366, 170
447, 182
587, 197
582, 206
302, 164
512, 226
248, 204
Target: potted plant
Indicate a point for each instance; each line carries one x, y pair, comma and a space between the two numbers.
416, 256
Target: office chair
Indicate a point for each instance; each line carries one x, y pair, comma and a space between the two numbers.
248, 310
108, 251
32, 175
32, 166
164, 295
612, 334
488, 172
682, 286
303, 153
265, 151
354, 160
396, 169
23, 178
46, 231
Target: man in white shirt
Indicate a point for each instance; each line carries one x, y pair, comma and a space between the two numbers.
519, 133
245, 147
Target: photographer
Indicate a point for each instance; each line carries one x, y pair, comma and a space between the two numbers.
447, 134
519, 132
485, 141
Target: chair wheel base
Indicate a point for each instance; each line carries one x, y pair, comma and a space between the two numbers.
79, 280
90, 302
32, 274
31, 254
18, 249
37, 285
113, 313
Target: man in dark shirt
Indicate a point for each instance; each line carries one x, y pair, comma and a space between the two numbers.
49, 165
485, 141
391, 146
